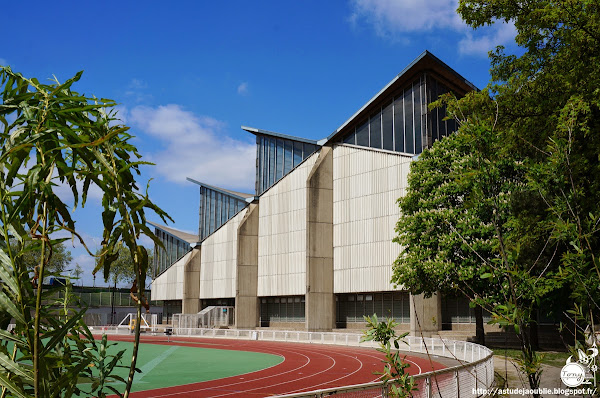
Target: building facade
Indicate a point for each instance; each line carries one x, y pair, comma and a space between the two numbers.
312, 248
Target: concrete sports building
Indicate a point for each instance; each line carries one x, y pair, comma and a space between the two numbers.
312, 248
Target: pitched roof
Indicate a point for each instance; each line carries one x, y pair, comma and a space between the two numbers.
426, 62
190, 238
239, 195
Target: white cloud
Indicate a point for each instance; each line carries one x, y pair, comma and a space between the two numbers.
3, 62
498, 34
243, 89
196, 146
398, 19
390, 17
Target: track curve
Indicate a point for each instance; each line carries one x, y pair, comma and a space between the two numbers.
305, 367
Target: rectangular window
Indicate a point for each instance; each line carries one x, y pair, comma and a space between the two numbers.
362, 134
350, 138
271, 162
279, 161
297, 153
409, 132
417, 118
287, 157
399, 123
387, 124
375, 131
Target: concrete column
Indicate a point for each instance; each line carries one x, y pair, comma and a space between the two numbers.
190, 303
320, 300
425, 315
246, 300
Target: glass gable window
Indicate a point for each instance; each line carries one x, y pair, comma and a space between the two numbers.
174, 249
216, 208
277, 157
404, 124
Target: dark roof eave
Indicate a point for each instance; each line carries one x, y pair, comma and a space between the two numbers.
238, 195
256, 131
190, 238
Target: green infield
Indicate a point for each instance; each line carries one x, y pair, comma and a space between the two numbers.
167, 365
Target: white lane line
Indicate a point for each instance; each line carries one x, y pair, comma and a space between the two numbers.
147, 368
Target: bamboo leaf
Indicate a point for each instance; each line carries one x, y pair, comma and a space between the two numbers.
15, 368
7, 304
12, 387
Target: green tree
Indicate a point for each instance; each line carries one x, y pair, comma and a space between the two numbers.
50, 135
57, 261
122, 269
548, 117
446, 236
535, 168
77, 272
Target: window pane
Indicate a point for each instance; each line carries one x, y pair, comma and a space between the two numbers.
375, 130
287, 157
434, 112
408, 121
417, 118
297, 153
279, 162
387, 121
309, 149
350, 138
362, 134
399, 123
271, 162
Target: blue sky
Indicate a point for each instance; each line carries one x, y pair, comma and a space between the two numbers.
188, 74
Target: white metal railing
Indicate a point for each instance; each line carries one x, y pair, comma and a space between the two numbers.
212, 316
469, 379
474, 374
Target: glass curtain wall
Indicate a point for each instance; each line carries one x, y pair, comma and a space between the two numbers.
216, 208
174, 249
403, 123
350, 308
276, 158
282, 309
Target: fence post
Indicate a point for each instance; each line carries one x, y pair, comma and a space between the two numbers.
457, 385
428, 387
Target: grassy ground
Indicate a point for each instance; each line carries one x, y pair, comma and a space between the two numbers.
551, 358
166, 366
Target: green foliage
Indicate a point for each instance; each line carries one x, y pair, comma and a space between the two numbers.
51, 135
122, 268
445, 233
102, 368
57, 261
532, 173
401, 383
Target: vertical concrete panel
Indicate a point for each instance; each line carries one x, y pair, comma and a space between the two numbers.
425, 315
320, 302
246, 300
190, 303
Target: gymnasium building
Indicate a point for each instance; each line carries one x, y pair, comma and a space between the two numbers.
311, 248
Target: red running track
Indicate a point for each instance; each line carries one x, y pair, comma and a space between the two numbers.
305, 367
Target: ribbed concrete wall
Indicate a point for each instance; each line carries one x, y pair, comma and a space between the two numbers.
169, 285
282, 234
366, 185
218, 268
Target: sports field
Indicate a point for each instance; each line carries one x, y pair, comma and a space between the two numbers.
174, 365
204, 367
